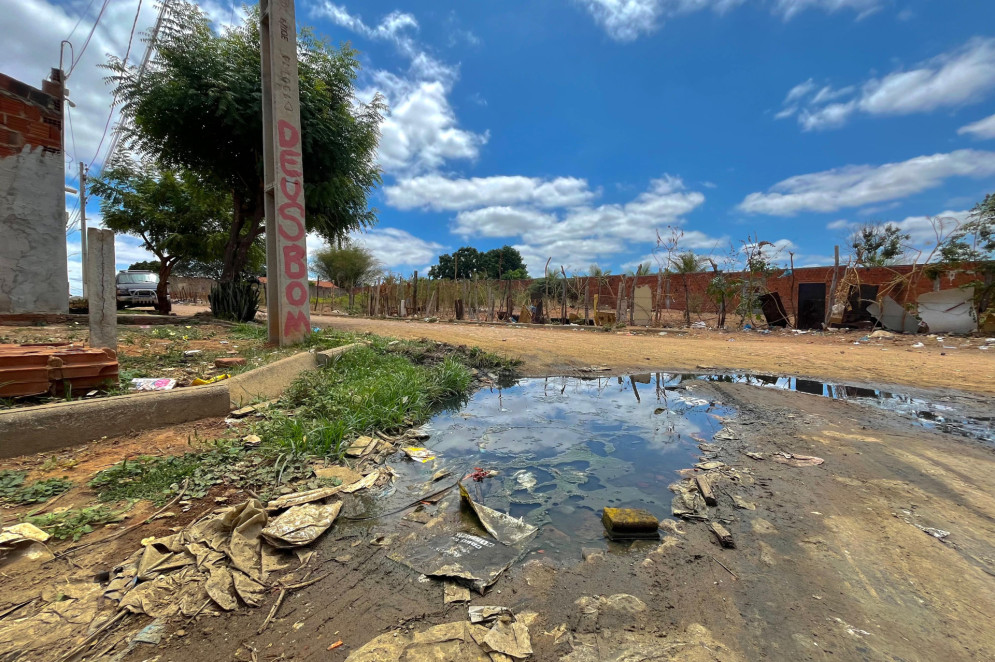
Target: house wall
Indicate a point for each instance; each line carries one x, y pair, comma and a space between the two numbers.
33, 271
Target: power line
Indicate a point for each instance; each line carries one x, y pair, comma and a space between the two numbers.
86, 43
124, 65
81, 17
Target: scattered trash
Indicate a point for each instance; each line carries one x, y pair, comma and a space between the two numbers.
725, 434
191, 352
699, 325
23, 542
630, 524
418, 454
525, 479
152, 384
594, 368
917, 345
487, 614
454, 592
344, 475
209, 380
705, 487
368, 481
334, 646
508, 637
722, 534
936, 533
948, 311
742, 503
362, 446
300, 498
688, 502
754, 455
450, 641
151, 633
301, 525
708, 466
460, 557
251, 441
797, 460
882, 335
479, 474
505, 528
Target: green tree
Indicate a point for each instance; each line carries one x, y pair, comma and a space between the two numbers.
211, 263
170, 210
146, 265
467, 262
878, 244
686, 263
972, 246
198, 106
347, 267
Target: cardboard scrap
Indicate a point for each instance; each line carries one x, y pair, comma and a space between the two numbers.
453, 592
793, 460
301, 525
363, 483
299, 498
362, 446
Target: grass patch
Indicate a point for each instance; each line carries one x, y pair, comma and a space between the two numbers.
14, 490
366, 390
74, 523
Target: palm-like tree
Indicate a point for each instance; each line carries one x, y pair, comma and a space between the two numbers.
686, 263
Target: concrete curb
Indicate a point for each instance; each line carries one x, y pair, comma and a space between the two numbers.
49, 427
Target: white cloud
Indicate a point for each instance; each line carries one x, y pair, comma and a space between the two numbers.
982, 129
583, 234
441, 193
855, 186
499, 221
959, 77
627, 20
421, 132
789, 8
839, 224
395, 248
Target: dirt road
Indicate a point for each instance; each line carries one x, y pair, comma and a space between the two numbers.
954, 363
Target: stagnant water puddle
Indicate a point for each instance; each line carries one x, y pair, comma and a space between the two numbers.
943, 413
565, 448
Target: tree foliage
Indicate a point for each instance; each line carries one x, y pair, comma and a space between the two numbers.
347, 267
878, 244
171, 210
198, 105
467, 262
972, 245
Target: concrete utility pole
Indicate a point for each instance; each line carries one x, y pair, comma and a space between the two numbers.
82, 221
286, 247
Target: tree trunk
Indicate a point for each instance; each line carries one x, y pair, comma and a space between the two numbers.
687, 301
246, 226
163, 305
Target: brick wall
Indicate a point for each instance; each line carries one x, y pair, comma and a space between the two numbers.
29, 116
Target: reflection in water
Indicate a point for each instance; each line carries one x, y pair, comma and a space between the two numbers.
943, 417
566, 448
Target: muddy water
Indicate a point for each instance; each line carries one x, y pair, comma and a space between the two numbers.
564, 449
946, 413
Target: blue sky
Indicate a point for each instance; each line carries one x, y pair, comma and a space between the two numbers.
576, 129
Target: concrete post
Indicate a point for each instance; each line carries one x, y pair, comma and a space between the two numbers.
102, 290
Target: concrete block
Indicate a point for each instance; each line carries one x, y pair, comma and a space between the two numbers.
101, 287
268, 381
47, 427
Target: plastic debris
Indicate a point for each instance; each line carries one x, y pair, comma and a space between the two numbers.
505, 528
301, 525
210, 380
418, 454
454, 592
23, 542
486, 614
478, 474
299, 498
152, 384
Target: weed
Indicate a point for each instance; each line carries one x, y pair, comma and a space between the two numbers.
249, 331
74, 523
10, 482
42, 490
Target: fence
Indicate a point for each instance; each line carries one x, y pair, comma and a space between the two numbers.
804, 296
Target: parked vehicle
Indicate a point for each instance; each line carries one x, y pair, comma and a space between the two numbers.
136, 288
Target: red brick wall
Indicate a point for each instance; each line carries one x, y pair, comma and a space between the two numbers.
29, 116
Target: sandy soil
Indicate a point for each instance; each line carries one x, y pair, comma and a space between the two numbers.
833, 563
954, 362
830, 565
